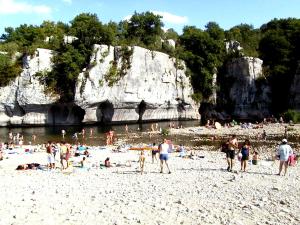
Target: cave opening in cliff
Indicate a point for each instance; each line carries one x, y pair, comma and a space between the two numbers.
77, 114
141, 110
105, 112
58, 114
65, 115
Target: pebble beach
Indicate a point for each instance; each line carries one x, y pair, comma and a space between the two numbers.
198, 190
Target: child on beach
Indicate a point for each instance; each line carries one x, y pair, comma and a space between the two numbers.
107, 162
181, 151
142, 161
255, 158
154, 152
82, 162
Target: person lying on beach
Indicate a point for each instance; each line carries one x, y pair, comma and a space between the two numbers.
29, 166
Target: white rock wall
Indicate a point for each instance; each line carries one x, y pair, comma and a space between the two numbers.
249, 100
26, 93
152, 78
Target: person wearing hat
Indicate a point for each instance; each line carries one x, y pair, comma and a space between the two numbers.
284, 151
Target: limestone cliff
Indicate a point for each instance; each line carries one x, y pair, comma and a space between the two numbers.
24, 101
249, 92
146, 85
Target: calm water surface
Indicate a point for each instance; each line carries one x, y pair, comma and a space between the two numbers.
53, 133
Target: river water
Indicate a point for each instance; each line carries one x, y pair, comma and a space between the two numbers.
53, 133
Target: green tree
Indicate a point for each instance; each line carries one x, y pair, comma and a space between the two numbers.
145, 28
279, 48
247, 36
203, 53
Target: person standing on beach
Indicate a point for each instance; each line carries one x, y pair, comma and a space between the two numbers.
285, 132
154, 152
142, 161
245, 151
230, 154
50, 157
164, 155
63, 152
284, 151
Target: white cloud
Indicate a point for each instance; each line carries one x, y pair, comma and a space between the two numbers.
127, 17
13, 7
171, 18
67, 1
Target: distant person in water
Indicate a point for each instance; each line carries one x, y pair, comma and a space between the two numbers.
83, 132
33, 138
91, 132
63, 133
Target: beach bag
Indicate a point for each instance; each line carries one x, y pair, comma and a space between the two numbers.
292, 160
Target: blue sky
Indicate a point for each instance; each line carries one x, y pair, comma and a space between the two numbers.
176, 13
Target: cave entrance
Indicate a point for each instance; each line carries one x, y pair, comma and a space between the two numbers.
65, 115
105, 112
76, 116
58, 114
141, 110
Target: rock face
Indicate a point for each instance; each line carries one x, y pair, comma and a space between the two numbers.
25, 96
295, 90
147, 86
249, 92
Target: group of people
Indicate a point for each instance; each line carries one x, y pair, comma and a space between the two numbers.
231, 147
163, 150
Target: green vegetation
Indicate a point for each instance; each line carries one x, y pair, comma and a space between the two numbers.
277, 43
292, 115
165, 132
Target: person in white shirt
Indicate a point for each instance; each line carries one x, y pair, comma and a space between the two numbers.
164, 155
284, 151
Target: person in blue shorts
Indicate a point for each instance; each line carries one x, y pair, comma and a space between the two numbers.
164, 155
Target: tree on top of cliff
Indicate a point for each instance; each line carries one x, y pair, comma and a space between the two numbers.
203, 52
247, 36
145, 28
